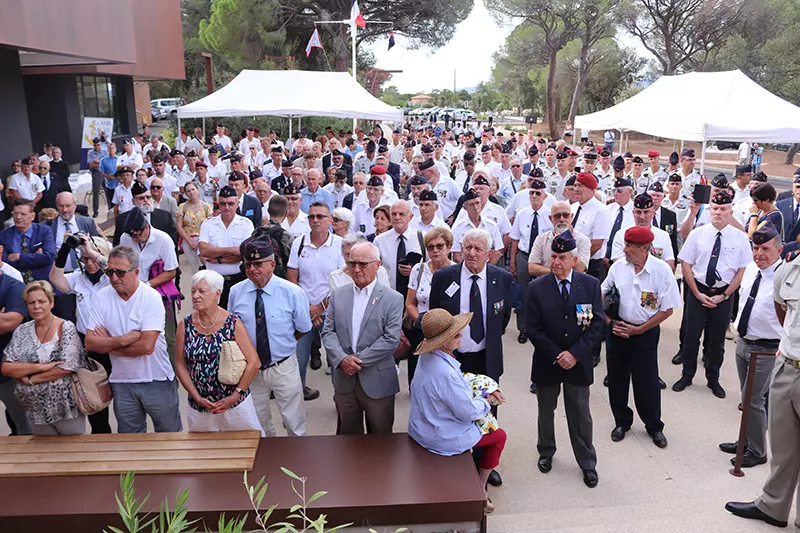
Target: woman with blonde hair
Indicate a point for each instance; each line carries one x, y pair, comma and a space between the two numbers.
41, 356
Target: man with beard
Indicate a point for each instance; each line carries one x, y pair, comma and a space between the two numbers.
158, 218
339, 189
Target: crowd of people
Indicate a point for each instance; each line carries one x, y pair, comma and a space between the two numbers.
357, 251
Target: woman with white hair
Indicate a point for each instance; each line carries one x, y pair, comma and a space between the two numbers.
85, 282
202, 338
343, 221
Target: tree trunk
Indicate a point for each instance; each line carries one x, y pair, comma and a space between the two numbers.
790, 154
551, 99
583, 69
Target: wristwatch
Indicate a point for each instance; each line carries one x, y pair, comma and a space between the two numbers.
726, 295
239, 390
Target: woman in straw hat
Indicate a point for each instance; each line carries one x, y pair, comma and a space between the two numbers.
443, 410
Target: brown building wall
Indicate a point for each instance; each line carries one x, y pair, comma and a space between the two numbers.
141, 95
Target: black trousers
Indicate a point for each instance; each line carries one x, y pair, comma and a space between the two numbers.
97, 186
682, 334
710, 323
597, 269
229, 282
634, 360
99, 421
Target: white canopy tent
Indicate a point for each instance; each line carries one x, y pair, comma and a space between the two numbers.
702, 106
291, 93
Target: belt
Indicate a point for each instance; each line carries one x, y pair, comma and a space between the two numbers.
761, 341
275, 364
229, 277
711, 291
792, 362
523, 253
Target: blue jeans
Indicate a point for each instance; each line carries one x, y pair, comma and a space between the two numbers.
304, 352
134, 401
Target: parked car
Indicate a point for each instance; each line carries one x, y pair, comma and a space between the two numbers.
155, 114
169, 106
782, 147
727, 145
464, 114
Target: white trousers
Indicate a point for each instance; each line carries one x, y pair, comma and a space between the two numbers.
192, 256
284, 381
240, 418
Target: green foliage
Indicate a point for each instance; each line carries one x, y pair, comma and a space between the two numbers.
130, 509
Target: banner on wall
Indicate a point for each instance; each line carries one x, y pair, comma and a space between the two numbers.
93, 127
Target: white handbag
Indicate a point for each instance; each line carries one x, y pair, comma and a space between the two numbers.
231, 363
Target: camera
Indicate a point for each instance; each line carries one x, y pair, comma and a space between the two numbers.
75, 240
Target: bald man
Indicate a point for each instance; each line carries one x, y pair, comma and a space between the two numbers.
163, 201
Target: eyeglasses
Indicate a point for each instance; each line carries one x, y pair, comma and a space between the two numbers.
440, 247
255, 264
359, 264
111, 272
156, 187
337, 219
317, 217
619, 190
516, 166
560, 215
536, 193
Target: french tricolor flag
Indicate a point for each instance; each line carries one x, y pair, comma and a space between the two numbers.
355, 15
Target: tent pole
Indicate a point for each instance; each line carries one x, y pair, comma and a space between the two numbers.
703, 156
353, 29
178, 135
290, 126
681, 146
299, 123
204, 131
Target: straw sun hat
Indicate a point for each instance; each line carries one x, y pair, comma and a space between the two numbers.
439, 326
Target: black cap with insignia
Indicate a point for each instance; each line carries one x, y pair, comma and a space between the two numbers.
480, 179
643, 201
256, 249
138, 188
563, 243
766, 232
135, 221
227, 192
427, 195
536, 172
618, 164
722, 198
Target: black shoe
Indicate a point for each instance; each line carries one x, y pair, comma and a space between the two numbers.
618, 433
717, 389
522, 338
659, 439
310, 394
271, 395
749, 459
533, 388
545, 464
728, 447
661, 384
316, 362
95, 215
681, 384
749, 510
605, 381
596, 360
494, 479
590, 478
677, 359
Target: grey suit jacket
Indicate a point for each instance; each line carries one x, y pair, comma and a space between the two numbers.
377, 340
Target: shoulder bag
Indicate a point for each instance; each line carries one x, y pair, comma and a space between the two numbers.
90, 388
231, 363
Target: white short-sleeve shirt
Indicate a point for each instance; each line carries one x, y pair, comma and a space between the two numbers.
214, 232
314, 265
27, 188
123, 198
521, 230
86, 295
495, 213
593, 222
143, 311
158, 246
660, 248
461, 228
644, 294
763, 322
735, 252
299, 227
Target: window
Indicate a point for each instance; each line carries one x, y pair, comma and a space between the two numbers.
97, 97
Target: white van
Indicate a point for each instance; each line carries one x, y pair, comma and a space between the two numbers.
168, 107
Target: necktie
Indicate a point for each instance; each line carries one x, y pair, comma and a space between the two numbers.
711, 273
575, 218
796, 213
614, 230
262, 334
476, 330
564, 291
27, 275
401, 281
534, 231
46, 182
748, 307
467, 183
73, 256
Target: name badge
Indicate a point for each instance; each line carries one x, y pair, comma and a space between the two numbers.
249, 213
452, 289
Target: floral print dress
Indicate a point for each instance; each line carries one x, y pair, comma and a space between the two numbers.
202, 353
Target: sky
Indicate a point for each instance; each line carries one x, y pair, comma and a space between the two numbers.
425, 70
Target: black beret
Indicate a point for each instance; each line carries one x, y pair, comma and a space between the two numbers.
760, 177
766, 232
722, 198
408, 145
157, 159
571, 180
591, 156
471, 144
643, 201
744, 169
427, 195
688, 152
536, 172
220, 125
213, 150
673, 158
623, 182
255, 249
191, 153
638, 159
96, 140
336, 151
485, 148
469, 156
127, 140
256, 174
427, 149
227, 192
291, 189
235, 176
175, 152
674, 178
276, 148
537, 184
561, 155
470, 195
618, 164
605, 153
428, 163
627, 155
418, 180
656, 186
370, 146
341, 174
375, 181
480, 179
123, 170
383, 141
286, 164
135, 221
505, 150
533, 151
720, 181
563, 243
138, 188
383, 149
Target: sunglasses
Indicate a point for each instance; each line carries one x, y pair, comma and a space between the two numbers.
255, 264
560, 215
440, 247
157, 187
359, 264
111, 272
317, 217
337, 219
516, 166
536, 193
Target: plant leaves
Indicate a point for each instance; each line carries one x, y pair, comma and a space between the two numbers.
316, 497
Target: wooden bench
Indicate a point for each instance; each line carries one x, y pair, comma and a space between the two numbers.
376, 480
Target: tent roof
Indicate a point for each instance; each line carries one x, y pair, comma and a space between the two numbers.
702, 106
297, 93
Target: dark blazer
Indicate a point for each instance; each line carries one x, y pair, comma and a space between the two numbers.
327, 160
38, 263
790, 229
347, 203
668, 221
394, 171
553, 327
251, 209
49, 195
85, 225
159, 219
783, 195
499, 284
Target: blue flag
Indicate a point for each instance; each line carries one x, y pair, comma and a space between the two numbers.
391, 40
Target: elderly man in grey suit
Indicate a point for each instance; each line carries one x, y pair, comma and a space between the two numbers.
361, 332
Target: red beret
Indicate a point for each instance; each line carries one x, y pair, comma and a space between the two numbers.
652, 153
377, 170
639, 235
588, 180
